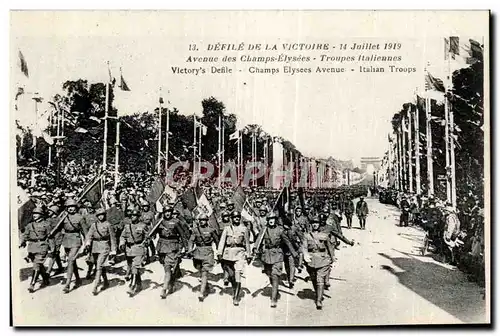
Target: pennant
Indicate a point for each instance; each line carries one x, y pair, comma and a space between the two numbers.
454, 45
23, 64
234, 136
157, 189
433, 83
81, 130
25, 207
123, 85
93, 194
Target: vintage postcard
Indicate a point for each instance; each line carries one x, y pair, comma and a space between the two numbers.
250, 168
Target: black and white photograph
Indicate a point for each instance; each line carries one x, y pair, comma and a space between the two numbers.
249, 168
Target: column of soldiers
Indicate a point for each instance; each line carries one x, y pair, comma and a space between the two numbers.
302, 234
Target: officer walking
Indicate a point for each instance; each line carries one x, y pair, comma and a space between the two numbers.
90, 217
55, 242
362, 212
225, 221
348, 208
200, 248
148, 217
101, 242
133, 242
271, 240
36, 233
74, 231
233, 249
169, 248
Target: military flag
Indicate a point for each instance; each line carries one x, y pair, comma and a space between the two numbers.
25, 207
93, 192
156, 190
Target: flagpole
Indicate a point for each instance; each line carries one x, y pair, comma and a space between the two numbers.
400, 165
242, 168
417, 151
194, 146
117, 151
450, 129
219, 153
447, 145
158, 169
51, 117
105, 146
167, 135
430, 168
200, 129
410, 168
223, 143
452, 162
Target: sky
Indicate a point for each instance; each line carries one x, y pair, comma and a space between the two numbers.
345, 116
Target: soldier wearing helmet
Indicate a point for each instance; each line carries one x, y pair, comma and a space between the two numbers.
362, 212
200, 247
230, 206
233, 249
133, 241
348, 208
74, 228
101, 242
90, 217
147, 217
55, 242
36, 234
171, 240
225, 221
269, 246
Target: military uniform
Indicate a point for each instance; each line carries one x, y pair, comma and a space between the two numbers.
101, 241
348, 208
90, 218
169, 248
233, 249
74, 230
292, 261
362, 212
36, 234
272, 256
148, 218
318, 254
133, 240
200, 243
55, 242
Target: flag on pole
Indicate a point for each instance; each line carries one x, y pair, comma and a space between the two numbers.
433, 84
203, 127
123, 85
156, 190
454, 45
25, 207
234, 136
93, 193
23, 64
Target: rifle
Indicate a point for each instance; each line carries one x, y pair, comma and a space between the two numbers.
64, 214
258, 243
153, 229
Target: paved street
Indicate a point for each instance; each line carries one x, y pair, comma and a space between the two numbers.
381, 280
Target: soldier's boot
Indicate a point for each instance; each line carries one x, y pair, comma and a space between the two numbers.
236, 294
327, 279
203, 286
129, 272
78, 280
60, 267
69, 275
131, 289
274, 291
138, 286
34, 276
166, 284
105, 284
226, 276
319, 296
97, 280
45, 276
90, 266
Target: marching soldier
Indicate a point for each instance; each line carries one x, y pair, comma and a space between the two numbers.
233, 249
225, 221
300, 220
261, 221
318, 255
348, 207
200, 247
362, 212
90, 218
169, 248
36, 234
271, 240
74, 230
101, 243
133, 241
148, 217
293, 262
55, 242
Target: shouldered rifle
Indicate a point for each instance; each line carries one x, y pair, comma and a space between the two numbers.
152, 231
